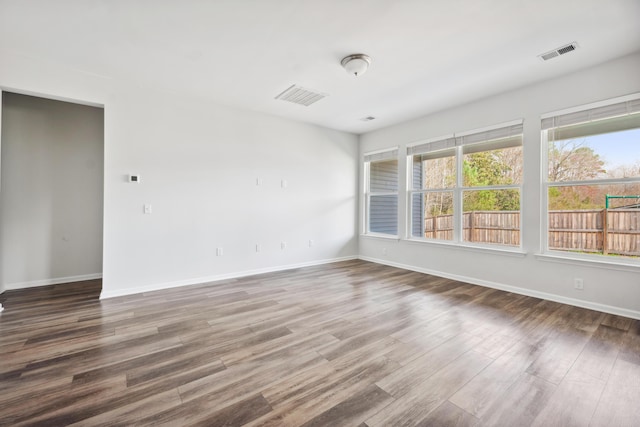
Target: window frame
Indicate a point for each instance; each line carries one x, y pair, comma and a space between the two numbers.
383, 155
546, 184
456, 142
444, 143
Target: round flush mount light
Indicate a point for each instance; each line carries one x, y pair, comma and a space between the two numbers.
356, 64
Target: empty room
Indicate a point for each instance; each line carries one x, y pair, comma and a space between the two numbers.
362, 213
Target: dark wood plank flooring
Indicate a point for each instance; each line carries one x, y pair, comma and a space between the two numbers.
345, 344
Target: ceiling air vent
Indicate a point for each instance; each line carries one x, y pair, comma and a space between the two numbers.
300, 95
559, 51
368, 118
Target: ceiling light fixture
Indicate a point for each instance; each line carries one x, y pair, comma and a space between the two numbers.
356, 64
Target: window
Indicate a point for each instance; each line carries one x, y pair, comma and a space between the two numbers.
467, 187
592, 180
381, 171
433, 181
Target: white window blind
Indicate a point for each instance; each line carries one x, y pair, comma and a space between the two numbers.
382, 155
594, 121
501, 137
427, 147
511, 133
592, 114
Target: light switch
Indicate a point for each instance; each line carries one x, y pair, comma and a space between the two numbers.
147, 209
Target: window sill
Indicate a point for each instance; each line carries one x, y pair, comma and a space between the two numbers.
380, 236
618, 264
516, 252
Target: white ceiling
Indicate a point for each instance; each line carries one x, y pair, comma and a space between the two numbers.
427, 54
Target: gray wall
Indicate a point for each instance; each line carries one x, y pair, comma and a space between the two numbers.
51, 191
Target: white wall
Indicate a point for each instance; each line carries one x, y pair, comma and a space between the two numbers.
199, 163
614, 290
51, 194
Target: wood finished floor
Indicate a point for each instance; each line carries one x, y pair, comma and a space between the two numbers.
344, 344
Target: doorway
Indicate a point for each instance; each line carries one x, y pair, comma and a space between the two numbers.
51, 192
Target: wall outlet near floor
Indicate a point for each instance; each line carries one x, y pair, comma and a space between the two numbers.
311, 242
384, 251
219, 252
578, 284
283, 245
257, 247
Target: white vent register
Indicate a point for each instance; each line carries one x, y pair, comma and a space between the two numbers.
301, 96
562, 50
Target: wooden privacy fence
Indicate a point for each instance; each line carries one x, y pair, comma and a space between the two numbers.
502, 227
607, 231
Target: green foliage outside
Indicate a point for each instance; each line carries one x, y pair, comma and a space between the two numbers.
485, 169
569, 160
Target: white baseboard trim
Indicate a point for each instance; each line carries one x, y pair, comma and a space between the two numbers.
514, 289
54, 281
200, 280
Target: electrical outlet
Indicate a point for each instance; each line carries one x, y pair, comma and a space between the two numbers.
578, 284
219, 252
311, 243
283, 245
257, 247
384, 251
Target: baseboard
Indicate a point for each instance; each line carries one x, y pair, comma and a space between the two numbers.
199, 280
54, 281
514, 289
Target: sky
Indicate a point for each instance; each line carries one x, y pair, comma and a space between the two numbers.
618, 148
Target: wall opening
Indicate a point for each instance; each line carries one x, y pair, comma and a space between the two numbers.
51, 192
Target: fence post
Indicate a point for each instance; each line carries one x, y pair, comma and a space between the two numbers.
605, 232
471, 225
435, 226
